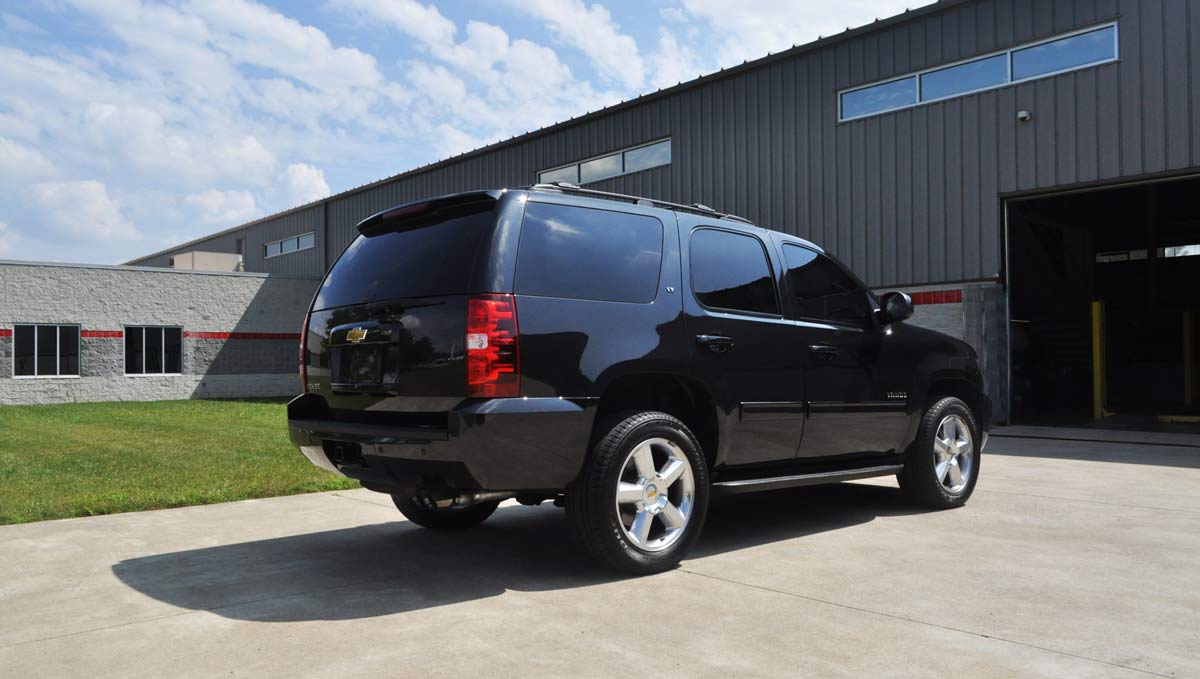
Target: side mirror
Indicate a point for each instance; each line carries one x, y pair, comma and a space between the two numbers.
897, 306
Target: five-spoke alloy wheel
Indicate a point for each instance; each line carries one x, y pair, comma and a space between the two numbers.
942, 464
641, 499
655, 494
953, 453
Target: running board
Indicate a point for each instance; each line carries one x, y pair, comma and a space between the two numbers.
755, 485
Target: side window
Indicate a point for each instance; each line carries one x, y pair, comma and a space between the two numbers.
730, 271
582, 253
153, 350
822, 290
45, 350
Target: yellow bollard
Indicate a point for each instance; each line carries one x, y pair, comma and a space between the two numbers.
1189, 362
1099, 392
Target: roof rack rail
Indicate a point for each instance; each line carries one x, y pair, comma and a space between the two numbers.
695, 208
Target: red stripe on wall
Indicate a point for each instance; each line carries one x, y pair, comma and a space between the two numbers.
243, 335
98, 334
938, 297
5, 333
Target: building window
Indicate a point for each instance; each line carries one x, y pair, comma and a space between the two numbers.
45, 350
627, 161
153, 350
1081, 49
305, 241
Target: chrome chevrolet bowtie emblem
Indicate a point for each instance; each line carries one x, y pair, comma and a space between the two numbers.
356, 335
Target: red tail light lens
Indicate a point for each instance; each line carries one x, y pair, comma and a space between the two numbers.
304, 354
493, 356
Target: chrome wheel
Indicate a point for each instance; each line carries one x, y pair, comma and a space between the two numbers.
953, 454
655, 494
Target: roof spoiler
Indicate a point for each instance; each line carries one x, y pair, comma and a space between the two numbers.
422, 212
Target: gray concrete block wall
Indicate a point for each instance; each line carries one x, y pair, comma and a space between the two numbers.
242, 356
5, 357
264, 314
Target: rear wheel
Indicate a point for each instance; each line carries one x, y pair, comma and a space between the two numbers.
942, 465
451, 518
642, 497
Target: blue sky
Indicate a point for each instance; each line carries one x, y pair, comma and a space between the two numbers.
129, 126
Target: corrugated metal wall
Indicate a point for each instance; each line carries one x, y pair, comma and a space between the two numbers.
909, 197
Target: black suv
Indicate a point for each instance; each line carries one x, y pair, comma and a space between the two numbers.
624, 357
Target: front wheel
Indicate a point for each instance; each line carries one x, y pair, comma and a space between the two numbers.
642, 497
451, 518
942, 464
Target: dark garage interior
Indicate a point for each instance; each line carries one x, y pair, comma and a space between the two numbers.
1136, 251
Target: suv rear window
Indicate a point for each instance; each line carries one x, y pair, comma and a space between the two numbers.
582, 253
435, 258
730, 271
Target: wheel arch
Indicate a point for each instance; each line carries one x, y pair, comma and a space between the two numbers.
677, 395
957, 384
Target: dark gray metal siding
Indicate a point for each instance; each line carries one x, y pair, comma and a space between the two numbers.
908, 197
300, 263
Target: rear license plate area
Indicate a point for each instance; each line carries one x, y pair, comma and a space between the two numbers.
359, 365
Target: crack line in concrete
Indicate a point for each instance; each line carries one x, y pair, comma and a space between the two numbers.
921, 622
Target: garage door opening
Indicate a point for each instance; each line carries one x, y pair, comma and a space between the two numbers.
1105, 305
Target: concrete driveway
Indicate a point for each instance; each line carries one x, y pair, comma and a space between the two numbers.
1073, 559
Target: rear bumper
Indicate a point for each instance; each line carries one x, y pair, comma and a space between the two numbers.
517, 444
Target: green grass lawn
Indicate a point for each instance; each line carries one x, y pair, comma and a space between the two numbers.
80, 459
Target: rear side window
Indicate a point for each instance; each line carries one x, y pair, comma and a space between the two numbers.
820, 289
582, 253
432, 259
730, 271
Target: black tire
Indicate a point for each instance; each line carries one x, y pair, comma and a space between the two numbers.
919, 479
591, 501
444, 519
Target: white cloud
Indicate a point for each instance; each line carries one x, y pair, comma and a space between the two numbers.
19, 163
673, 62
8, 241
301, 183
748, 29
486, 86
83, 210
222, 207
591, 30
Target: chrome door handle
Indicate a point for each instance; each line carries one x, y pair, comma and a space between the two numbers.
823, 352
715, 343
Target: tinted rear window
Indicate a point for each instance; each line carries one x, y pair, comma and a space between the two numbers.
731, 271
433, 259
583, 253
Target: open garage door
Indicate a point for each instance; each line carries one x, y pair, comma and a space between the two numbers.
1104, 304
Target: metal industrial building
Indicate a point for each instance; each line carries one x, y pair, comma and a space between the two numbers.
1030, 165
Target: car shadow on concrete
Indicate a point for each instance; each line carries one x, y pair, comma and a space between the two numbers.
395, 567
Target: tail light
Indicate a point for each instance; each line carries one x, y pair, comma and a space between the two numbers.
493, 355
304, 354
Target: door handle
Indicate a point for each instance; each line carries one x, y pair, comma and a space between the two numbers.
715, 343
823, 352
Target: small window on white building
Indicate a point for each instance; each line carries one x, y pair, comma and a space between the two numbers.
41, 350
153, 350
